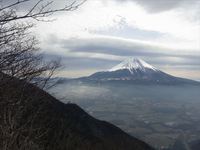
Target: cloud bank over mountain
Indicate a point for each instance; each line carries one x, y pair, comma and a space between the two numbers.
101, 33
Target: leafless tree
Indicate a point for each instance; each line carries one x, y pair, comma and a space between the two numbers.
20, 58
19, 55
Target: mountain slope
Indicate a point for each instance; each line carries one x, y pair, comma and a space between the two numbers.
138, 71
31, 119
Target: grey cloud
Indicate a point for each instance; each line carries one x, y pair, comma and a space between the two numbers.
121, 47
75, 63
108, 46
162, 5
155, 55
150, 5
189, 63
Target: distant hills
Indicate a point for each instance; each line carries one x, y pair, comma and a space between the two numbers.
31, 119
134, 70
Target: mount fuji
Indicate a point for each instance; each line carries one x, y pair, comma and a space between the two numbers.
134, 70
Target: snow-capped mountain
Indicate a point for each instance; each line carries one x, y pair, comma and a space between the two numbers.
133, 64
136, 70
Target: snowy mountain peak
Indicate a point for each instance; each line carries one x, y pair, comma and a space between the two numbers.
137, 71
133, 64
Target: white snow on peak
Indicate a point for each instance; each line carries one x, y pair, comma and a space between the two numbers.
133, 64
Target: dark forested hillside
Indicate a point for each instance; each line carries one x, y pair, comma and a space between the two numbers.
31, 119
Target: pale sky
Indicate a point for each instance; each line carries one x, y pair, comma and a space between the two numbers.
101, 33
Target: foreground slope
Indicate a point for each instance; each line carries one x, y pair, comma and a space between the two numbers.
31, 119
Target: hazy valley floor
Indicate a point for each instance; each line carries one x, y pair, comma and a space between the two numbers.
160, 115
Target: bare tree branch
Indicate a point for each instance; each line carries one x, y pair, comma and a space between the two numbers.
44, 10
19, 55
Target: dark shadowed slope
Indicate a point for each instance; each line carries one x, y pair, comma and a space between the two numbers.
31, 119
195, 145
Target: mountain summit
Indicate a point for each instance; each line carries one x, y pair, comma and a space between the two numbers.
135, 70
133, 64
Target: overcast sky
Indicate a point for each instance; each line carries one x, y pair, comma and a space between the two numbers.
101, 33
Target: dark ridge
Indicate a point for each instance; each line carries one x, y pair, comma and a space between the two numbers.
31, 119
195, 145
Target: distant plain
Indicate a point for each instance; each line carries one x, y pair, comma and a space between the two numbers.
157, 114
